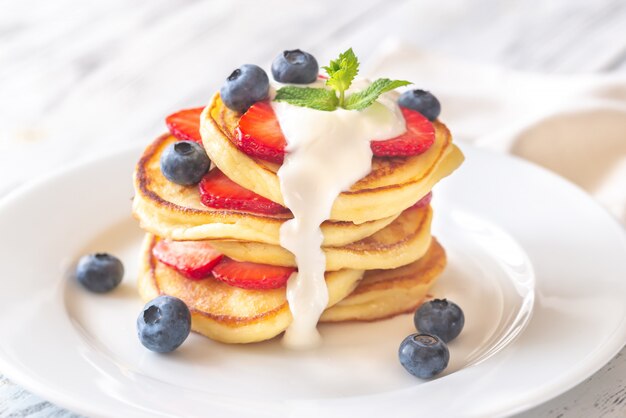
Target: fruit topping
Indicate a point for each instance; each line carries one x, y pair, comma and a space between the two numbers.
246, 85
423, 355
248, 275
193, 259
99, 272
198, 260
296, 67
185, 124
164, 324
418, 138
220, 192
421, 101
184, 162
424, 201
259, 134
440, 317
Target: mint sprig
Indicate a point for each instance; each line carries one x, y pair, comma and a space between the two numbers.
319, 99
341, 72
365, 98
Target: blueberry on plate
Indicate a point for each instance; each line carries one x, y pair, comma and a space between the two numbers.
184, 163
99, 272
423, 355
245, 86
297, 67
440, 317
164, 324
421, 101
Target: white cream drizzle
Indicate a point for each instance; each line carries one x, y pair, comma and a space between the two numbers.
327, 152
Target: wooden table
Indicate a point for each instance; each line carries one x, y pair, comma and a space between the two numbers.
80, 77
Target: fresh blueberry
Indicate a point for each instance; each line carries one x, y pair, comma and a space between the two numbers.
422, 101
184, 162
297, 67
99, 272
441, 318
164, 324
423, 355
246, 85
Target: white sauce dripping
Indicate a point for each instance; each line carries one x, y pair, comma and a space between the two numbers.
327, 152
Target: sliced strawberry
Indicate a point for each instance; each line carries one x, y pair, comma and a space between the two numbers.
424, 201
220, 192
248, 275
419, 136
194, 259
185, 124
259, 134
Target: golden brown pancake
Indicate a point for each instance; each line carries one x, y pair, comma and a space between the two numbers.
392, 186
169, 210
232, 315
226, 313
403, 241
386, 293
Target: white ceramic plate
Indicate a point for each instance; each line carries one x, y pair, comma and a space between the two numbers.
537, 266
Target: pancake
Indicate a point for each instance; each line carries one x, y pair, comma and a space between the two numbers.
226, 313
393, 185
232, 315
402, 242
169, 210
386, 293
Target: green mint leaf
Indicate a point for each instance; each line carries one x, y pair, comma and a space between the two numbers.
315, 98
341, 72
365, 98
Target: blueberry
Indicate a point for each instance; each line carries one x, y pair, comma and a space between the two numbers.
423, 355
441, 318
99, 272
246, 85
297, 67
164, 324
422, 101
184, 162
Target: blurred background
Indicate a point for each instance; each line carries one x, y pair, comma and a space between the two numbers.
100, 74
82, 78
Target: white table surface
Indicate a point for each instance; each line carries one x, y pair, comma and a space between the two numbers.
81, 77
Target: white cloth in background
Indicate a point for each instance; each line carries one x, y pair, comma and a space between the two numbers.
574, 125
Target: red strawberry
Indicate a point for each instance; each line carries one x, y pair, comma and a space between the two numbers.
259, 134
248, 275
419, 136
194, 259
185, 124
218, 191
424, 201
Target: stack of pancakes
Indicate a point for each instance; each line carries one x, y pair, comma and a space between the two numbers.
381, 259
